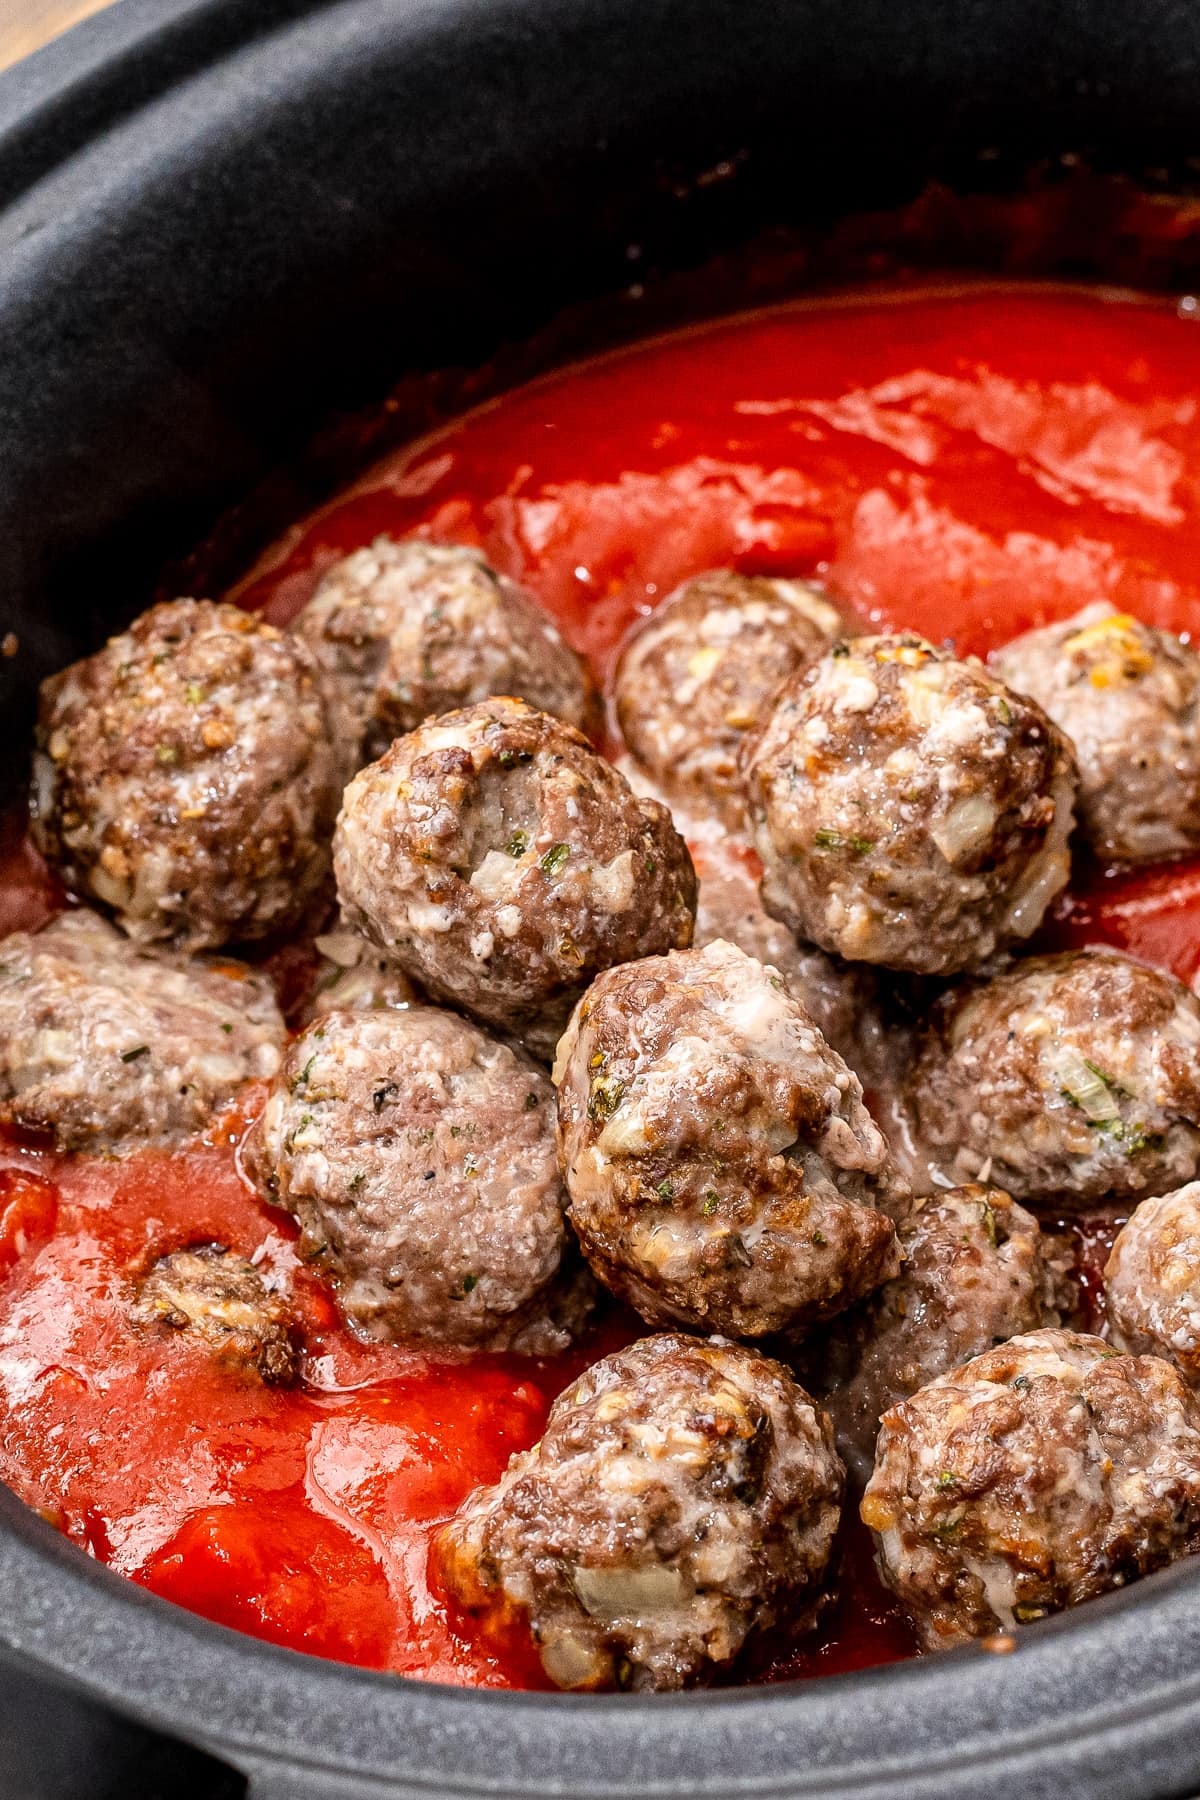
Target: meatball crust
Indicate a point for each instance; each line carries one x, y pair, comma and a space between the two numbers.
908, 808
188, 775
210, 1296
684, 1497
1067, 1079
1128, 697
723, 1171
111, 1046
1152, 1281
503, 864
405, 630
701, 671
418, 1156
974, 1275
1043, 1473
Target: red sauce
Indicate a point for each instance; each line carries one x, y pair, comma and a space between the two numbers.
967, 463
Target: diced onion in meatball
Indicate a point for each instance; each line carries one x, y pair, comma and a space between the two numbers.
702, 669
1041, 1474
211, 1297
408, 629
684, 1498
418, 1155
1067, 1079
975, 1273
188, 776
1152, 1281
502, 864
109, 1046
908, 808
723, 1171
353, 975
1128, 697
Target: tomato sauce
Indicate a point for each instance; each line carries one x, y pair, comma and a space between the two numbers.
966, 462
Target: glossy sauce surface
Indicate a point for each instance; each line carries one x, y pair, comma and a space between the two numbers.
966, 463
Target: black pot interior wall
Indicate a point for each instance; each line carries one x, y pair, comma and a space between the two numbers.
266, 212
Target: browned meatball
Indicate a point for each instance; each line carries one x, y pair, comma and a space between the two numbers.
843, 998
1128, 697
1045, 1472
408, 629
1066, 1079
503, 863
684, 1497
418, 1155
701, 670
110, 1046
974, 1275
908, 808
1152, 1281
188, 776
209, 1295
723, 1171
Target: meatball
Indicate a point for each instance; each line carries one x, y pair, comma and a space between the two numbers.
1067, 1079
1047, 1471
408, 629
354, 976
974, 1274
722, 1168
1128, 697
503, 863
188, 776
701, 670
842, 998
418, 1155
1152, 1281
107, 1045
684, 1497
909, 810
210, 1296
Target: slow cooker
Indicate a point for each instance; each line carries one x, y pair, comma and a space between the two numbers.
226, 223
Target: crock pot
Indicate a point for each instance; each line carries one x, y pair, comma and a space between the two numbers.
223, 222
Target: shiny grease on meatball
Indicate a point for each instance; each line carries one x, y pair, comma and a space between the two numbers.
1041, 1474
723, 1171
109, 1045
1066, 1079
503, 864
683, 1498
418, 1155
1152, 1281
188, 775
407, 629
1128, 697
210, 1296
975, 1274
908, 808
701, 670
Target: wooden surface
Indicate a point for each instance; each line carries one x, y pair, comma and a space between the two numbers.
24, 24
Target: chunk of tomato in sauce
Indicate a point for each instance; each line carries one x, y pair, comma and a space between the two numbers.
28, 1215
277, 1570
1154, 914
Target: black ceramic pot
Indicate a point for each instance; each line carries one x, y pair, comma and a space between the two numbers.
223, 221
